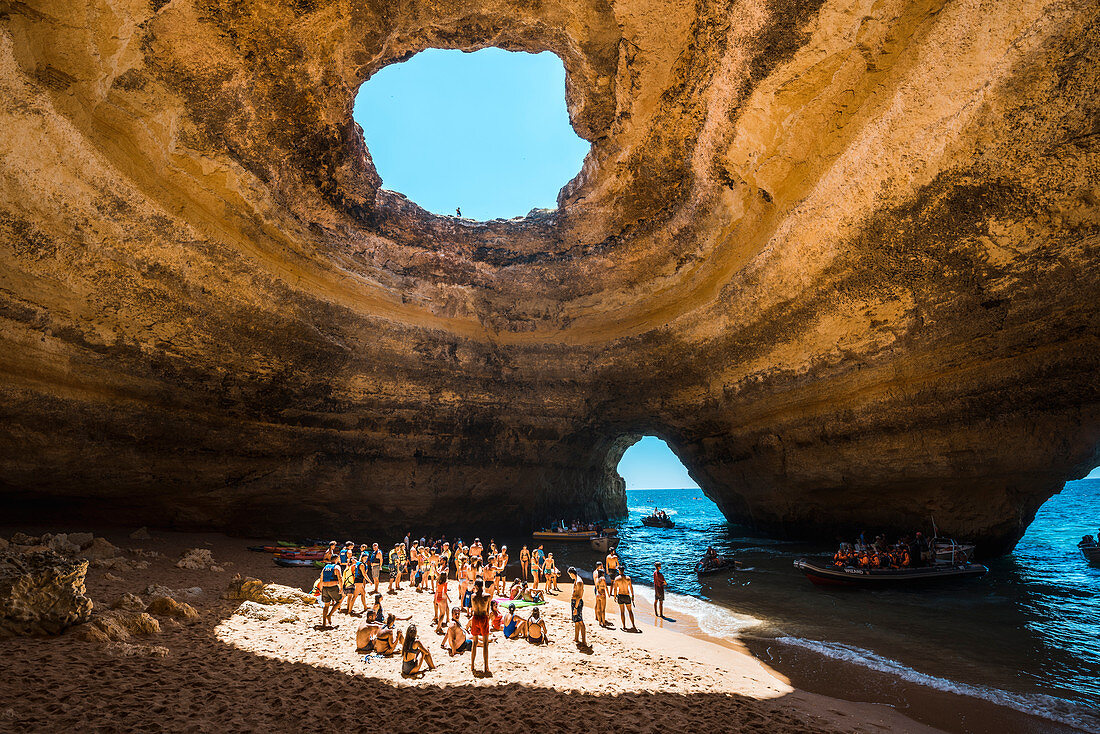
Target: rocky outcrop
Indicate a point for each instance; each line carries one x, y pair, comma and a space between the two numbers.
166, 606
246, 588
41, 593
841, 255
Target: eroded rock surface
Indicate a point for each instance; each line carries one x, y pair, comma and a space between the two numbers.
841, 255
41, 593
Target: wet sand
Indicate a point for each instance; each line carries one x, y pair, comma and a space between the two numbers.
228, 672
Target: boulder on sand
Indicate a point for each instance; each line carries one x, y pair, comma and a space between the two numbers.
196, 559
166, 606
24, 539
141, 534
129, 602
250, 589
100, 549
41, 593
117, 625
264, 612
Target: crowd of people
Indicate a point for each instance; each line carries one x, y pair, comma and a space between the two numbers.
478, 576
908, 552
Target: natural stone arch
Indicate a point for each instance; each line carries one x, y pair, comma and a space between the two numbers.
848, 265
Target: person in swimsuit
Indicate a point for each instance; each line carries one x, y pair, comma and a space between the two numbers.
624, 596
576, 605
375, 613
551, 574
456, 641
376, 566
536, 629
389, 637
414, 655
479, 625
612, 561
515, 626
537, 559
496, 619
658, 592
601, 596
524, 563
502, 566
442, 601
359, 574
331, 592
331, 552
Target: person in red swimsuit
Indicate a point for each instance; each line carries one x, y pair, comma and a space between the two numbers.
479, 625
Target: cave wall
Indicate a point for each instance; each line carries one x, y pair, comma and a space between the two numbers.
842, 255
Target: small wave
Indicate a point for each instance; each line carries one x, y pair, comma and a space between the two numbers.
1048, 707
713, 620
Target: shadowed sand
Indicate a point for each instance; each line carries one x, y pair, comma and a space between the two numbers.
228, 672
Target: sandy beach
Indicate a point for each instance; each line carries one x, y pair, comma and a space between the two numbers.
225, 671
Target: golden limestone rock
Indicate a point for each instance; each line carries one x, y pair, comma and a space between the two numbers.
841, 255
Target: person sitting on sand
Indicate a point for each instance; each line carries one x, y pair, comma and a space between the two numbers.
514, 626
576, 605
331, 592
375, 613
364, 636
624, 596
532, 595
442, 601
479, 624
414, 656
536, 629
496, 619
389, 637
456, 641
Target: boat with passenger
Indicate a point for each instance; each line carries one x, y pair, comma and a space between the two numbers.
906, 563
574, 532
1090, 548
713, 563
658, 519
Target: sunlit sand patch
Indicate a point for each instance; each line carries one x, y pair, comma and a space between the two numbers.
619, 662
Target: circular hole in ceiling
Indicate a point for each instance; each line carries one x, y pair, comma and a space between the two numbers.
486, 132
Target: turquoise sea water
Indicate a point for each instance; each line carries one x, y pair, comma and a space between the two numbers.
1025, 636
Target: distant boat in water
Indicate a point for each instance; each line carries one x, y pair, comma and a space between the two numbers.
659, 519
1091, 552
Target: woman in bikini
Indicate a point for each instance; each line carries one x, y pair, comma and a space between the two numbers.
536, 630
524, 563
388, 638
442, 601
414, 655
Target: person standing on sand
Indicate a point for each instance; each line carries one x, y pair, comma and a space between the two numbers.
576, 605
442, 601
537, 559
360, 589
331, 592
376, 565
524, 563
612, 563
479, 625
658, 591
601, 596
624, 596
502, 566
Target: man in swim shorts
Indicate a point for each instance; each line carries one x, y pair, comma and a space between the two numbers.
576, 605
479, 624
624, 596
331, 592
658, 592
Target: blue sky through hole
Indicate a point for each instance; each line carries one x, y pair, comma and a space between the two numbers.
650, 464
485, 131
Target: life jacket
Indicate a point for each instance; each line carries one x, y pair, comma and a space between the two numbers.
905, 560
360, 576
329, 573
864, 560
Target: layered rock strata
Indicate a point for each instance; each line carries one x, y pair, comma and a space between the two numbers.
841, 255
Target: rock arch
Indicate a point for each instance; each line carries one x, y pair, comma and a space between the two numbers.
844, 253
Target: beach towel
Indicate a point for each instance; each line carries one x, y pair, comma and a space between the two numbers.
504, 601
